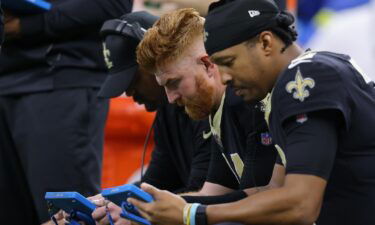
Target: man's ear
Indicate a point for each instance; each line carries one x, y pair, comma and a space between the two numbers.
266, 39
208, 64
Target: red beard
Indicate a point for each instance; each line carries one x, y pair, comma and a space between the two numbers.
200, 105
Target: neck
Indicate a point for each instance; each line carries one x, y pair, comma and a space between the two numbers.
292, 52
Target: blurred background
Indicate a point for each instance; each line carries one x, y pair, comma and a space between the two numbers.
344, 26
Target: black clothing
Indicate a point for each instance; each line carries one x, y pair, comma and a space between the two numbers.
233, 22
49, 79
317, 135
181, 156
1, 25
119, 48
58, 45
245, 144
324, 82
55, 145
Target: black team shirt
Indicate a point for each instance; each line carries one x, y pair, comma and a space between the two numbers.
243, 155
60, 48
322, 118
181, 155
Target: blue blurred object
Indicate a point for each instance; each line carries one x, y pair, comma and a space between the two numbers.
26, 6
308, 12
307, 9
337, 5
305, 31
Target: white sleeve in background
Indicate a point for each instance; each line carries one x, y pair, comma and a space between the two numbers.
350, 32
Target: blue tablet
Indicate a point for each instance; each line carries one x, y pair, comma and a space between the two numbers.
26, 6
120, 194
69, 202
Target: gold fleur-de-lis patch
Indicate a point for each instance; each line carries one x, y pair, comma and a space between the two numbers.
299, 85
266, 102
107, 54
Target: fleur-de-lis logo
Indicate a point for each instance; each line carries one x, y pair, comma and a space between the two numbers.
299, 85
107, 54
266, 102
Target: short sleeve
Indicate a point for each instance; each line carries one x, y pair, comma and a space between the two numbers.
309, 87
311, 146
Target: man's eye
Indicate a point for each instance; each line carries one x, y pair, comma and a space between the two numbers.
227, 64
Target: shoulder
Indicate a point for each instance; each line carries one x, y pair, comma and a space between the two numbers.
321, 66
314, 81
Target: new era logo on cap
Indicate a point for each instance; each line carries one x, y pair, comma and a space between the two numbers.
253, 13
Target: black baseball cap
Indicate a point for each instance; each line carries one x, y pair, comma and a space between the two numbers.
237, 21
120, 40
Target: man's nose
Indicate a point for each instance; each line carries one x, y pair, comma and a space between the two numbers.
173, 96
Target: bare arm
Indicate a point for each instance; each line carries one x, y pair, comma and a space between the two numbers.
210, 189
297, 202
277, 180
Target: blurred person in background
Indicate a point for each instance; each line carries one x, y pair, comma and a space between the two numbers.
51, 121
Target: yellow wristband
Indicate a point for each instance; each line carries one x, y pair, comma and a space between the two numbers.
186, 213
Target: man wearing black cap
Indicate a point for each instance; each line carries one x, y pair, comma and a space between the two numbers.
320, 111
181, 155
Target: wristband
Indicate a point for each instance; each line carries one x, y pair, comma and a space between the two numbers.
193, 210
186, 214
201, 216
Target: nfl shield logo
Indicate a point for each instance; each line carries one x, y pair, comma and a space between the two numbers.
266, 139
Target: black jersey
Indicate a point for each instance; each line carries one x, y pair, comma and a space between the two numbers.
321, 82
181, 155
60, 48
244, 146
